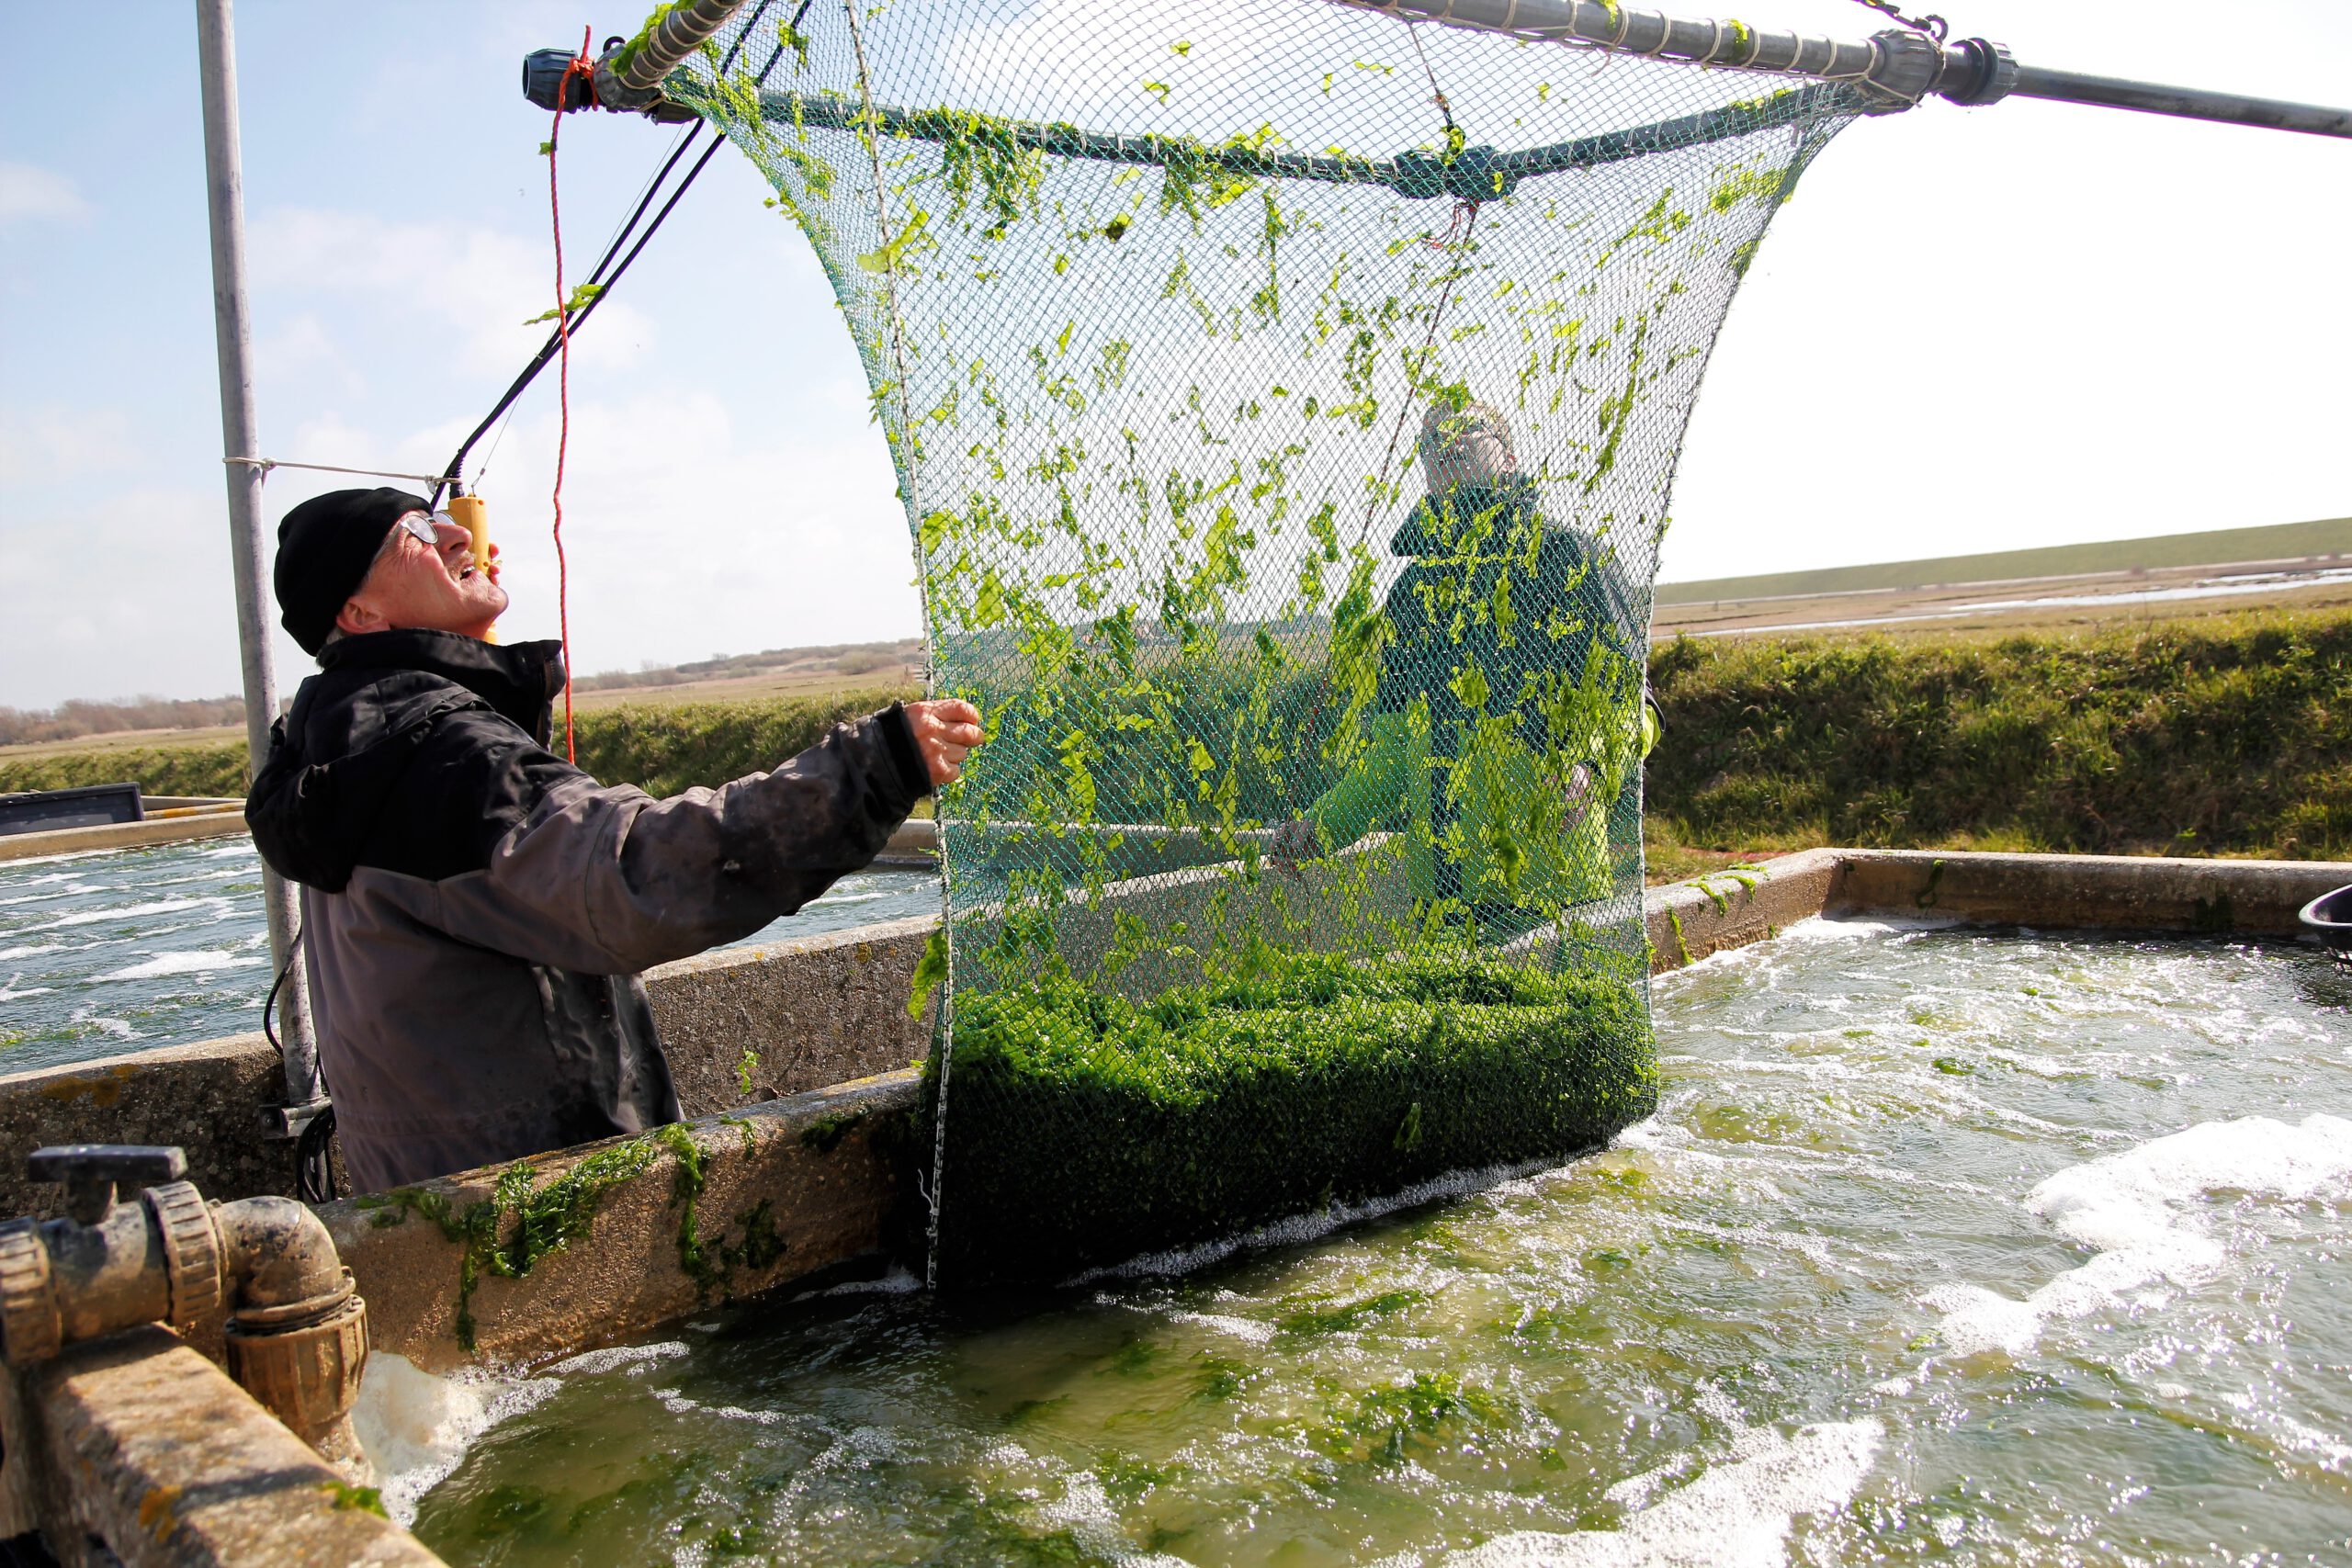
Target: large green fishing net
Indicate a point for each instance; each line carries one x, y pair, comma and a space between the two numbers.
1285, 399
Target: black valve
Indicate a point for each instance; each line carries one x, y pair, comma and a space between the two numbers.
91, 1170
547, 72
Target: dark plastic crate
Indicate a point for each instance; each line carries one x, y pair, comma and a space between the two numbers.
92, 806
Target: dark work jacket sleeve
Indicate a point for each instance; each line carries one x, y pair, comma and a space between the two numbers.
608, 880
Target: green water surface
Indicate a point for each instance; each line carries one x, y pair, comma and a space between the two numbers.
1944, 1246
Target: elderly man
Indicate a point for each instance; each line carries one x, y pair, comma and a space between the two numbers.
476, 910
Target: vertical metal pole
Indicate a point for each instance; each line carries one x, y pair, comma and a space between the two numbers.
225, 193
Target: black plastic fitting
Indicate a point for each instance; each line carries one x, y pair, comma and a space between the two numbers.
548, 77
1474, 174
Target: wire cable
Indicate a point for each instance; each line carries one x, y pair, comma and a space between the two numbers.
599, 275
547, 350
313, 1159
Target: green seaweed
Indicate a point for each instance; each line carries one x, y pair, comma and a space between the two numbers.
508, 1233
1128, 1113
931, 972
1385, 1426
762, 1245
345, 1497
1309, 1322
830, 1128
704, 1265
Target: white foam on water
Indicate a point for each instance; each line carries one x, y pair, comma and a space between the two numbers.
2142, 1210
125, 911
636, 1357
34, 950
162, 964
682, 1405
1314, 1225
1084, 1510
9, 993
1734, 1515
897, 1282
1244, 1328
1823, 927
416, 1427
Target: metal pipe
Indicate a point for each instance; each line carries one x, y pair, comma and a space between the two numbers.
297, 1330
1896, 68
1599, 24
233, 335
670, 41
2183, 103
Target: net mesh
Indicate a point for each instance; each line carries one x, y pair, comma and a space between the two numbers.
1284, 399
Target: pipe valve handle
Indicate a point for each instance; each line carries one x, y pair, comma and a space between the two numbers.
90, 1172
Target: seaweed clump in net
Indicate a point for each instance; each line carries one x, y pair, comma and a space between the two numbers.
1284, 399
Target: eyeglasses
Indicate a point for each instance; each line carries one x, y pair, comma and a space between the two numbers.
421, 524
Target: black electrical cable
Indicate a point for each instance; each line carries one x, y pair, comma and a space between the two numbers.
313, 1160
555, 339
598, 277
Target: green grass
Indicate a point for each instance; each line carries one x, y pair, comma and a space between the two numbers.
2225, 734
2285, 541
216, 768
1087, 1129
2213, 735
663, 748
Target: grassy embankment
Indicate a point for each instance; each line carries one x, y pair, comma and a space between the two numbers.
2221, 735
2217, 735
664, 747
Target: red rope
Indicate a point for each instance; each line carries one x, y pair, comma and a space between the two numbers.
580, 66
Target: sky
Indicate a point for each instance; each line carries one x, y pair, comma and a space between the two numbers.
1971, 329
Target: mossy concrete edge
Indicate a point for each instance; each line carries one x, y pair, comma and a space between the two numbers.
722, 1208
808, 1013
136, 1450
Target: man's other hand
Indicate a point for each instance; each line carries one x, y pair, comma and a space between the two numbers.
945, 732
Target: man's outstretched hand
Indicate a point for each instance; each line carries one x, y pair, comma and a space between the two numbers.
945, 732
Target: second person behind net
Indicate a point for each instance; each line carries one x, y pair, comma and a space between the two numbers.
1508, 716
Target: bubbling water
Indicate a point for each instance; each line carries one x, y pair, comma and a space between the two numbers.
1944, 1246
126, 950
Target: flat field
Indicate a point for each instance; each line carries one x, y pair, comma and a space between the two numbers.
2180, 726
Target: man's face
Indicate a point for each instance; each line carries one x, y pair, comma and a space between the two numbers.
1464, 448
417, 586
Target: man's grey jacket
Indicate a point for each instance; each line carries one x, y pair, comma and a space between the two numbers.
475, 910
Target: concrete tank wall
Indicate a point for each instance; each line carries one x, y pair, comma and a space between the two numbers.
812, 1012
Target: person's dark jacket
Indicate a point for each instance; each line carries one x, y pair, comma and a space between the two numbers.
1494, 588
476, 910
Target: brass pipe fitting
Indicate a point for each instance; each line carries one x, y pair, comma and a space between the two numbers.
295, 1335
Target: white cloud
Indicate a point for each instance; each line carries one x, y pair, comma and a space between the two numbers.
129, 593
379, 271
688, 534
51, 444
29, 193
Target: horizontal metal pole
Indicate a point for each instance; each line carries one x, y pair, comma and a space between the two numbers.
1896, 68
1606, 26
2184, 103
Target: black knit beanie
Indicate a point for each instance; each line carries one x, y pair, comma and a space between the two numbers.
324, 549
